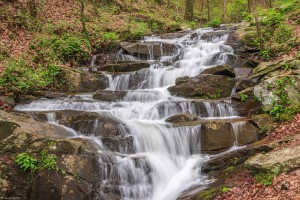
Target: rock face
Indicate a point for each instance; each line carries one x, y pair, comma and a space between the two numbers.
73, 80
246, 103
79, 176
203, 86
184, 117
125, 67
88, 123
219, 135
6, 103
220, 70
266, 90
156, 49
285, 159
108, 95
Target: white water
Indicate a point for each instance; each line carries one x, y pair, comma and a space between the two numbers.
166, 159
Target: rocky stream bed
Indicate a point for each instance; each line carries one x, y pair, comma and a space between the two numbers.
163, 121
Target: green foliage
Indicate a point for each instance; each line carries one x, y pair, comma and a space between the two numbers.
48, 161
26, 162
214, 23
243, 97
21, 78
225, 189
282, 33
282, 109
267, 178
138, 29
110, 37
266, 54
67, 48
271, 17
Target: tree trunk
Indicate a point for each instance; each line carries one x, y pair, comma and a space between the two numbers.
32, 8
258, 29
189, 9
231, 8
224, 15
208, 10
249, 6
82, 18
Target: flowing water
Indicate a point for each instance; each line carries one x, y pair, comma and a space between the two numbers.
166, 158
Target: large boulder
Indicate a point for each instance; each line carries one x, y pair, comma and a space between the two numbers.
125, 66
110, 96
183, 117
220, 135
220, 70
267, 91
286, 159
74, 80
203, 86
246, 102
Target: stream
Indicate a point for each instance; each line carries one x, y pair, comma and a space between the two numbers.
165, 159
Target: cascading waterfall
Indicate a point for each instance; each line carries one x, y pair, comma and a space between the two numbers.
166, 156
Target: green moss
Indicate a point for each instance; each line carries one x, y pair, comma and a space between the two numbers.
208, 194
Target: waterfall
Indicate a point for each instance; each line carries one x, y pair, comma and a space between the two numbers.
166, 158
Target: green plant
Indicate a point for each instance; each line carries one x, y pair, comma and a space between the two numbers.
19, 77
214, 22
48, 161
265, 54
267, 178
243, 97
27, 162
225, 189
282, 33
110, 37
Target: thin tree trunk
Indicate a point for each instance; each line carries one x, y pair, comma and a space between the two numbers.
258, 29
208, 10
189, 9
249, 6
231, 7
224, 15
82, 18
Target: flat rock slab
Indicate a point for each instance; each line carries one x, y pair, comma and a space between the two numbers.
203, 86
220, 70
125, 67
286, 159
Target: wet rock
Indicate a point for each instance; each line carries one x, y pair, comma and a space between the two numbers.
244, 84
203, 86
110, 96
158, 49
181, 118
242, 72
216, 136
126, 66
246, 103
220, 70
214, 34
286, 160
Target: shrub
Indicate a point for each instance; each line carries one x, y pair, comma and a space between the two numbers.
282, 33
21, 78
266, 54
110, 37
214, 23
271, 17
26, 162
